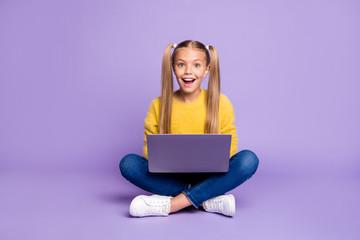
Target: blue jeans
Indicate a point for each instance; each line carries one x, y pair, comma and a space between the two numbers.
197, 187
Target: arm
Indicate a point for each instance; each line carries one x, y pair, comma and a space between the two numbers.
227, 126
151, 123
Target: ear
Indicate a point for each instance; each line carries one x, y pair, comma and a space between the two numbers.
207, 70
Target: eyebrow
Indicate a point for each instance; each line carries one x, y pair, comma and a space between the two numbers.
185, 61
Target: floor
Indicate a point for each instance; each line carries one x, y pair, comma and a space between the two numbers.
54, 205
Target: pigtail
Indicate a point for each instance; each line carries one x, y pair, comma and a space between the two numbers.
167, 89
213, 95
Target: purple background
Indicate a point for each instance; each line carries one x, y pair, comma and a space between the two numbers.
77, 78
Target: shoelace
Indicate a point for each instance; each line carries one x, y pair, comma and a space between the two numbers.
156, 207
216, 204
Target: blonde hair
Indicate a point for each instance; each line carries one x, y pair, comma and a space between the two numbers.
167, 88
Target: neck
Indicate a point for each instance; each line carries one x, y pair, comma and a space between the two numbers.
187, 97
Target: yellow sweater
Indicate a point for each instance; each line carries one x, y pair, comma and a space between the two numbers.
189, 118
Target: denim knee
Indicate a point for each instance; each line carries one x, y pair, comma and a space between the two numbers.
127, 164
247, 162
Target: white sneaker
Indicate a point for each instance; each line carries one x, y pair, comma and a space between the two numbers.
224, 204
155, 205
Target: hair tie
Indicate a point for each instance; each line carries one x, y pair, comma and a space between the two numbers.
174, 45
207, 47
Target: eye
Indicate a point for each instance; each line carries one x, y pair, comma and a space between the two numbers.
180, 64
196, 65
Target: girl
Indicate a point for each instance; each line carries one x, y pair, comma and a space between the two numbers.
190, 110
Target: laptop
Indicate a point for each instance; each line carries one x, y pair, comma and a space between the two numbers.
188, 153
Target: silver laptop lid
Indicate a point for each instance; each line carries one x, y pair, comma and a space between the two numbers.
183, 153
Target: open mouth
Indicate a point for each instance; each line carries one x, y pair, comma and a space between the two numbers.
188, 81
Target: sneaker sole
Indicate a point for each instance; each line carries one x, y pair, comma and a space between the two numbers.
233, 208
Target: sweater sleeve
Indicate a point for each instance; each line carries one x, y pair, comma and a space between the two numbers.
151, 123
227, 126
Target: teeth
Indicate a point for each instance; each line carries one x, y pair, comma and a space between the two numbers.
188, 79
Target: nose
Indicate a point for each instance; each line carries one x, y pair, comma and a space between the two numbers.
188, 70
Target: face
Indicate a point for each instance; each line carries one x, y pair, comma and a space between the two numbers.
190, 68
